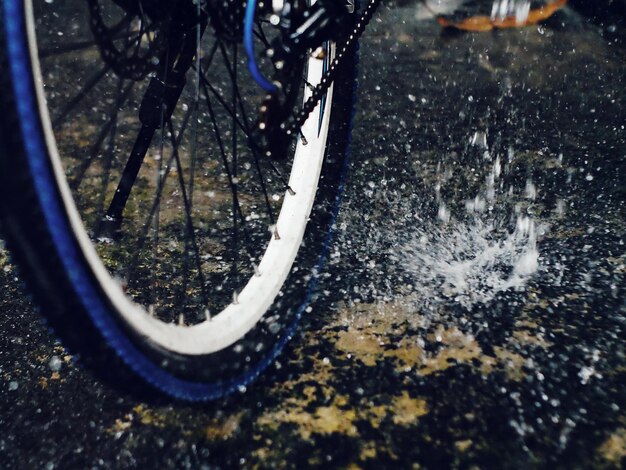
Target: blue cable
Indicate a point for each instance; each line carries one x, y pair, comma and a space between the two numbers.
248, 28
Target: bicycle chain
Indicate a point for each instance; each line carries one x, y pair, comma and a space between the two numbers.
295, 123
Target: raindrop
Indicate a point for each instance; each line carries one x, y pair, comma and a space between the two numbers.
55, 364
560, 207
531, 190
479, 139
443, 213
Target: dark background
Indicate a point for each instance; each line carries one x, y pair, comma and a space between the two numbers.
390, 369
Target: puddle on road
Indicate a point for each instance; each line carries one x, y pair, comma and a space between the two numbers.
481, 246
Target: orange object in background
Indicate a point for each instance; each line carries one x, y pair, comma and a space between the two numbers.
481, 22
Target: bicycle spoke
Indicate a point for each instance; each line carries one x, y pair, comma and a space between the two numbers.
196, 106
224, 158
182, 298
260, 34
244, 128
191, 233
143, 237
237, 99
92, 81
110, 154
235, 185
205, 82
160, 184
79, 174
56, 50
59, 50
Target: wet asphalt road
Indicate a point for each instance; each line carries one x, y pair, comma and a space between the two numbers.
413, 356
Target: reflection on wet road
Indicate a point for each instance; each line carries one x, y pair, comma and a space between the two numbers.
473, 312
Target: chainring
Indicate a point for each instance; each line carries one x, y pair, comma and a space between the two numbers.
133, 45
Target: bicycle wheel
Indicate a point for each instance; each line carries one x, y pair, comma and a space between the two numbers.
199, 276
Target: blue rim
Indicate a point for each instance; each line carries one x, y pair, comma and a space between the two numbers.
68, 251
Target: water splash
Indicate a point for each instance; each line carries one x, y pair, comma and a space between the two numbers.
471, 262
461, 245
475, 256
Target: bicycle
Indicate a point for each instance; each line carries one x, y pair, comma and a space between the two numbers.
173, 215
159, 212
